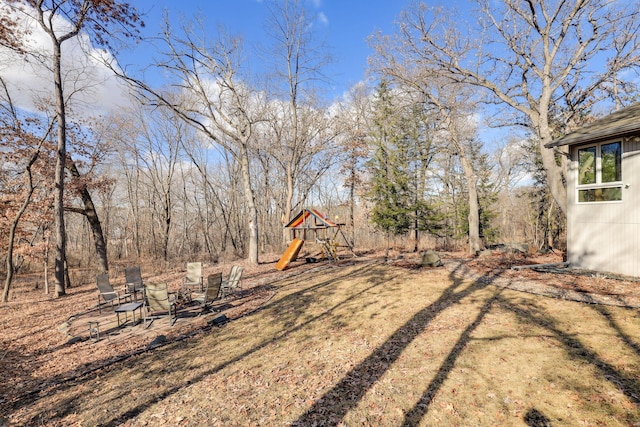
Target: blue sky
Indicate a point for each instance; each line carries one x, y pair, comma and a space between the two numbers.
346, 24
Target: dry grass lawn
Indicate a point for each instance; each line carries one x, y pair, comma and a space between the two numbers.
369, 344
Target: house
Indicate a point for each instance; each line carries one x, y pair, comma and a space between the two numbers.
603, 193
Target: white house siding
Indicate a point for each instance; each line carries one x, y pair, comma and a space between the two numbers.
605, 236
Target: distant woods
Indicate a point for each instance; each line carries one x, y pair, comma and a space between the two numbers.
442, 148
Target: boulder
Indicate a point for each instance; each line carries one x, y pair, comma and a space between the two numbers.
517, 248
431, 259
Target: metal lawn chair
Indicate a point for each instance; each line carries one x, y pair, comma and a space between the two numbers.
159, 302
193, 280
233, 281
133, 280
211, 292
107, 293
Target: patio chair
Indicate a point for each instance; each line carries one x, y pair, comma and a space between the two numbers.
233, 281
159, 302
211, 293
107, 293
193, 280
133, 280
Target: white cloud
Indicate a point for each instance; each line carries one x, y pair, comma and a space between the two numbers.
91, 86
323, 18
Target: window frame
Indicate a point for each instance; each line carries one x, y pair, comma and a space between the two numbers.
598, 184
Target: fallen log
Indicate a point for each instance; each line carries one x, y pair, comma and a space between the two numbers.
553, 264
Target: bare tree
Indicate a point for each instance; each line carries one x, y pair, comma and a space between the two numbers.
25, 149
216, 100
455, 124
88, 143
94, 17
123, 135
354, 118
216, 178
509, 172
545, 61
158, 148
88, 210
300, 129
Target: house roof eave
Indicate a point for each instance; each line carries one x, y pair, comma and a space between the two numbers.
591, 138
615, 125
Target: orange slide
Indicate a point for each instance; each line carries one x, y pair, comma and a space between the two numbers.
290, 254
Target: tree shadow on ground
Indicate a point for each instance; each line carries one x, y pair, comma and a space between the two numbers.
413, 416
535, 418
19, 371
296, 300
61, 380
626, 338
333, 406
627, 383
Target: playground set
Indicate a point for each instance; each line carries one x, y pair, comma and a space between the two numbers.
310, 223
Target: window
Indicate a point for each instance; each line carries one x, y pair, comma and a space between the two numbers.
600, 173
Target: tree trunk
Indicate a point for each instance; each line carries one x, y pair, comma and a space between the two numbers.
555, 175
133, 192
352, 204
251, 204
67, 279
46, 266
91, 214
287, 205
61, 157
14, 226
167, 226
12, 238
553, 164
475, 244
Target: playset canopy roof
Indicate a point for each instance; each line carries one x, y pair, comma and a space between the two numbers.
310, 218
